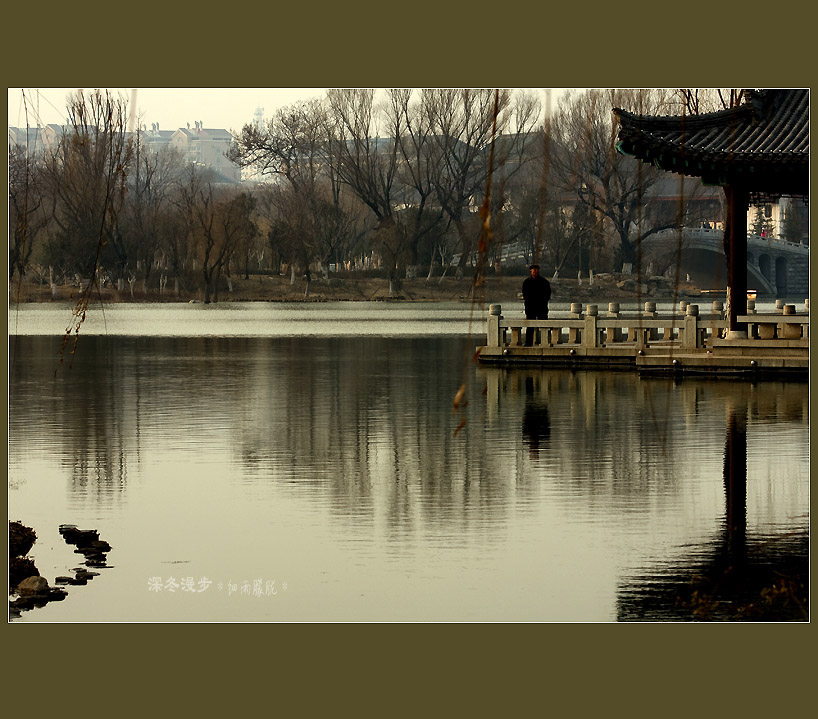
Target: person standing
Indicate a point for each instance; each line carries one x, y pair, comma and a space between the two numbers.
536, 295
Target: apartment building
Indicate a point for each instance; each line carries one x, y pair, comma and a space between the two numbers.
200, 145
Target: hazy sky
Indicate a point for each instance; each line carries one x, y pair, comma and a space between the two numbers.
228, 108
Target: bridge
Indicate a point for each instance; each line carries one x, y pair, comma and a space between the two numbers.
774, 266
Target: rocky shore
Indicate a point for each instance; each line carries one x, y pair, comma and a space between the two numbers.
27, 588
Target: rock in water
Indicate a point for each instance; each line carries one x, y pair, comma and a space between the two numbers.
32, 586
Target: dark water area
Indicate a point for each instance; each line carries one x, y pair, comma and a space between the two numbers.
328, 477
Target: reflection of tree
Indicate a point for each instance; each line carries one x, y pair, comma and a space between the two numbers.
89, 409
371, 432
362, 427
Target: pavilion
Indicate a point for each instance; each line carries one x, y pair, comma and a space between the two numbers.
757, 152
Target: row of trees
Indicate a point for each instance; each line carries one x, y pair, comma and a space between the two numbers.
398, 179
99, 206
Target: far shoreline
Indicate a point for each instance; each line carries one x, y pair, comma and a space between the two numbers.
273, 288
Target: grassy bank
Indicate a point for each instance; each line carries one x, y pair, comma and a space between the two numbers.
273, 288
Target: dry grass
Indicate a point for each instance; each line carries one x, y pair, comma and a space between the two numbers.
267, 288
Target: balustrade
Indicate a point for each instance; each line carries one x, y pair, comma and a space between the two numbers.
687, 329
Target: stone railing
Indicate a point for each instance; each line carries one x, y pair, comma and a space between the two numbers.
783, 324
588, 328
689, 329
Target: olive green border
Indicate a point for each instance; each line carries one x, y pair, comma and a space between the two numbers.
432, 669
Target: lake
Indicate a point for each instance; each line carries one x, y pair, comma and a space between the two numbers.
274, 462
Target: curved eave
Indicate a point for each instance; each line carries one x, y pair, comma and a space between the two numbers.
776, 176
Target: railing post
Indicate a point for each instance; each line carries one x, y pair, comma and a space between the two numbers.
692, 335
590, 336
614, 334
790, 330
752, 328
576, 314
493, 326
650, 313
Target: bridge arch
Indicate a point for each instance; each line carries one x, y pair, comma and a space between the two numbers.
765, 265
781, 275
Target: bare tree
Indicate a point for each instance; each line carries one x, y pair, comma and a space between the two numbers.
422, 217
368, 164
28, 210
466, 123
153, 177
216, 219
614, 186
86, 175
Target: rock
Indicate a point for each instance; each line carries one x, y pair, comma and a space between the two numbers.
21, 539
80, 537
33, 586
83, 573
19, 569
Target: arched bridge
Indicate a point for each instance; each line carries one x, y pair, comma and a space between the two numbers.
774, 266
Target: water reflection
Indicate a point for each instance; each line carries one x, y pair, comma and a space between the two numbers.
572, 495
536, 422
728, 578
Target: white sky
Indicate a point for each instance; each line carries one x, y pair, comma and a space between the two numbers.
228, 108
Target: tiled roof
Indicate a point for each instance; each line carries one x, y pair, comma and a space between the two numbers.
763, 143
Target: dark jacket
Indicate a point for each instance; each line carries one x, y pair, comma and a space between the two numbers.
536, 294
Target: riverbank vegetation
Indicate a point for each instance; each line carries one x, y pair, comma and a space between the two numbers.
267, 287
398, 185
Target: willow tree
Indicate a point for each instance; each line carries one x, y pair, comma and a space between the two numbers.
86, 175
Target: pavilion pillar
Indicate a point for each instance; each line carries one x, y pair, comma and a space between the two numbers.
737, 201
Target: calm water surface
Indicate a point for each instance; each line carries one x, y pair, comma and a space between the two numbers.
301, 462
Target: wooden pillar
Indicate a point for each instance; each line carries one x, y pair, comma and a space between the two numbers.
735, 245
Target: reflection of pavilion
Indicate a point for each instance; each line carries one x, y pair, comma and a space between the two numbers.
733, 578
737, 571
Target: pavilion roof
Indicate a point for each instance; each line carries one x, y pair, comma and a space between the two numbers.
763, 143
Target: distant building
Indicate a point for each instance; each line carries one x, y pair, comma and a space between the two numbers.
200, 145
208, 147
